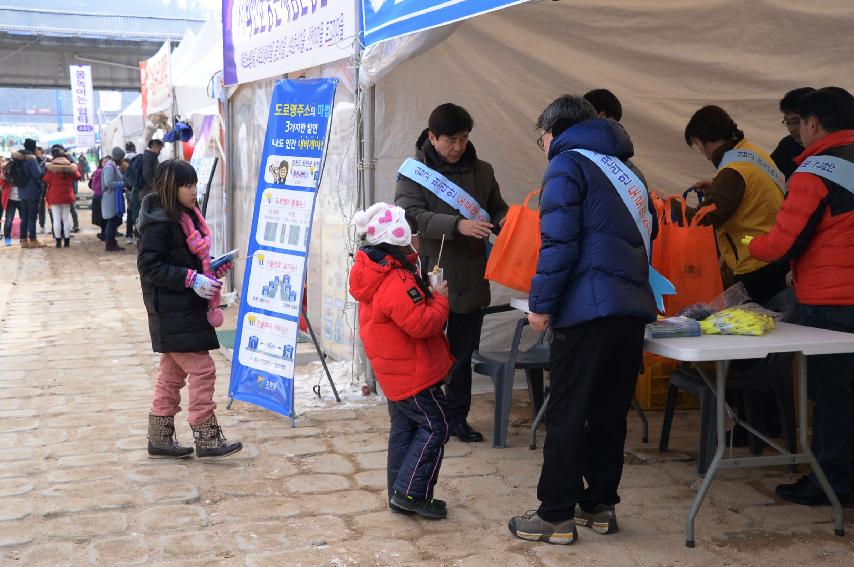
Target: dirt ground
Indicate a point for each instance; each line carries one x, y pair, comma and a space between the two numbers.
77, 488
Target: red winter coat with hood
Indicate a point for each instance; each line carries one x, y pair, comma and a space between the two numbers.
815, 230
60, 177
402, 330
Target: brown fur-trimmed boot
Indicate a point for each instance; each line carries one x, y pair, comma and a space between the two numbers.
162, 441
209, 440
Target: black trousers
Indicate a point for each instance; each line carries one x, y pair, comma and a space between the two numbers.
463, 332
416, 443
594, 367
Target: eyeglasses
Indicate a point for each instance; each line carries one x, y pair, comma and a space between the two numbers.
540, 143
791, 121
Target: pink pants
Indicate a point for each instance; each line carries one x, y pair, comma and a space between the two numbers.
175, 367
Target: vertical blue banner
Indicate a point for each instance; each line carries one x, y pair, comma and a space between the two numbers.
262, 369
385, 19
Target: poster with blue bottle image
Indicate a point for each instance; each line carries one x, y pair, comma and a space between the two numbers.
262, 371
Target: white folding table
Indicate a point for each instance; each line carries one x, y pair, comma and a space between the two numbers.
803, 341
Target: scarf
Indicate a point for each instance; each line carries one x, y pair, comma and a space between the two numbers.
199, 243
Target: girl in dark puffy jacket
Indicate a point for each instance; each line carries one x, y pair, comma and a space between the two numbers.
181, 295
401, 323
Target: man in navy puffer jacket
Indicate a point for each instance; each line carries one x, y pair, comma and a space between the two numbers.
592, 288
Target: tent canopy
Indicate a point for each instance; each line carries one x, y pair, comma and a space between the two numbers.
664, 60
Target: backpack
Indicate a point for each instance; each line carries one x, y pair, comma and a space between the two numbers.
17, 174
133, 176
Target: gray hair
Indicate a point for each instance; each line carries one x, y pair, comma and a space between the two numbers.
565, 111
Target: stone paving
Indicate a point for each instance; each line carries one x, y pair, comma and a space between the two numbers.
77, 488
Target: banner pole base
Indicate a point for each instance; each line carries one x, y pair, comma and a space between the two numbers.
228, 405
320, 355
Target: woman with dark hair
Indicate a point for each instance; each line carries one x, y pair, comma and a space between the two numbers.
747, 193
97, 195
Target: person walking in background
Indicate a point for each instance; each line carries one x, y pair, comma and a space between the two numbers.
83, 167
97, 194
60, 175
401, 324
791, 146
181, 296
112, 199
42, 209
11, 201
592, 288
26, 174
130, 157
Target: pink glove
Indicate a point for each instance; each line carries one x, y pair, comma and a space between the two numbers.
224, 269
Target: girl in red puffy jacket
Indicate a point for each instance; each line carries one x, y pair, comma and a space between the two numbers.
401, 324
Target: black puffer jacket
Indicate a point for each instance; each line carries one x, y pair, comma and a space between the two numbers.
177, 317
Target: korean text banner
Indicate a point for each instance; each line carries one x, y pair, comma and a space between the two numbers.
385, 19
156, 83
262, 370
83, 104
265, 38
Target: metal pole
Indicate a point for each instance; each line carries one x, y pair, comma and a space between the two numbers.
321, 355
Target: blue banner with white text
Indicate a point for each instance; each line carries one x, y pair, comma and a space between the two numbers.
262, 369
385, 19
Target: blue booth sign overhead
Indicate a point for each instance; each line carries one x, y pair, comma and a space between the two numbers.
385, 19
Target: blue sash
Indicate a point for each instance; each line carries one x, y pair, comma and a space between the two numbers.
636, 199
444, 188
630, 188
838, 170
746, 156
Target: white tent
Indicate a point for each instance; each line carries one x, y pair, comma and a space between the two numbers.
664, 60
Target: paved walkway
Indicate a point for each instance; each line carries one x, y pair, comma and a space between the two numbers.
76, 487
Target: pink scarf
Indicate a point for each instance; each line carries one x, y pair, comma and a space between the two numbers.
199, 244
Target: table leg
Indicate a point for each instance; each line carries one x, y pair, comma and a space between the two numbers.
838, 521
721, 368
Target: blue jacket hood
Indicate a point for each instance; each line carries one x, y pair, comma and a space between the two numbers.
599, 135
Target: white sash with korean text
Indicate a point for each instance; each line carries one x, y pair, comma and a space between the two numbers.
444, 188
832, 168
736, 155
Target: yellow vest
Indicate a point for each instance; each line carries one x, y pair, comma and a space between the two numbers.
755, 215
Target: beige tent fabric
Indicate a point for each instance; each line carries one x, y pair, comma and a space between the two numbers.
663, 59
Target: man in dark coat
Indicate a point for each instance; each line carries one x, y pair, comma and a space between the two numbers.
31, 192
445, 148
791, 146
592, 288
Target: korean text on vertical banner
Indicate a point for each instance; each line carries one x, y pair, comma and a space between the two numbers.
262, 371
83, 105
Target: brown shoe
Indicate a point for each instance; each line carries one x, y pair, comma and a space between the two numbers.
35, 244
25, 244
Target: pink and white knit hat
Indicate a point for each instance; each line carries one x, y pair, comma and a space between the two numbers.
383, 223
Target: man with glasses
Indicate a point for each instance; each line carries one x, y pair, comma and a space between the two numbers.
791, 146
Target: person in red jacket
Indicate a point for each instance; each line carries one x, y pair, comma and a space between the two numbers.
60, 177
401, 324
814, 231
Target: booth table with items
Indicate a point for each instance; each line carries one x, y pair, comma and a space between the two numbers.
721, 349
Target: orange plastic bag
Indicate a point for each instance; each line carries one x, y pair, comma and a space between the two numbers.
513, 260
686, 254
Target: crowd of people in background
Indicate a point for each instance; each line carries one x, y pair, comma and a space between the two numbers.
37, 186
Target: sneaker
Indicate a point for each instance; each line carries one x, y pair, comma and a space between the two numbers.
429, 509
397, 510
602, 519
7, 241
533, 528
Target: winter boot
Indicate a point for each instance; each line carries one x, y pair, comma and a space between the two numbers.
162, 441
209, 440
59, 243
67, 242
34, 243
112, 246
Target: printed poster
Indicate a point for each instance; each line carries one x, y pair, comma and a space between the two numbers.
262, 371
83, 104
